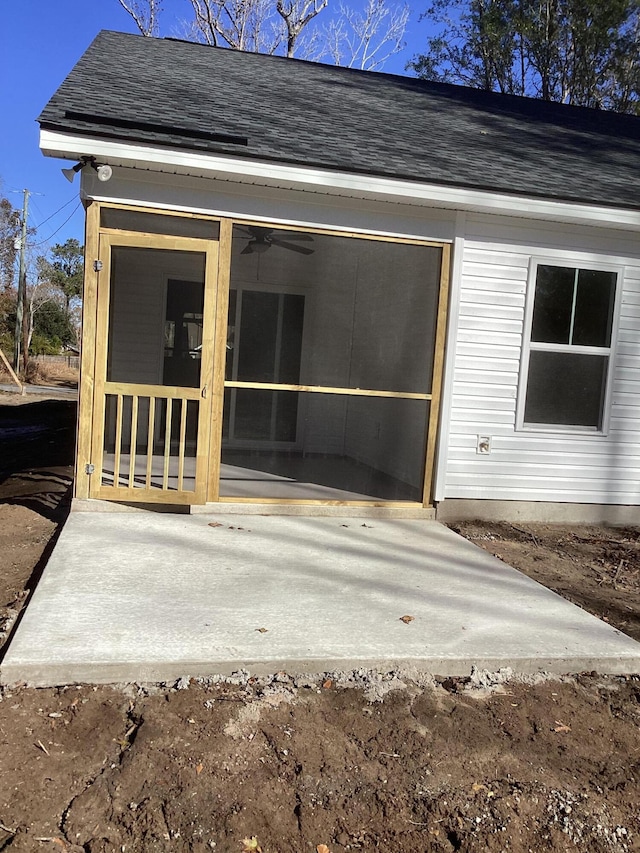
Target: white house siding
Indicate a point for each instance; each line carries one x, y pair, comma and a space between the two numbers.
525, 465
271, 204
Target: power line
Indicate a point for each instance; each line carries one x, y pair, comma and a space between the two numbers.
66, 204
42, 242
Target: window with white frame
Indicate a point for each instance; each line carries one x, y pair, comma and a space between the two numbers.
570, 344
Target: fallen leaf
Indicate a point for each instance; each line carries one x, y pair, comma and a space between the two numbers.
215, 524
251, 845
407, 619
478, 786
262, 630
327, 684
561, 727
322, 848
199, 768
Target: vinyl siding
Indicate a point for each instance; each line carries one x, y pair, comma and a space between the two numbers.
558, 465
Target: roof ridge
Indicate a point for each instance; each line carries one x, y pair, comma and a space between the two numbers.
443, 87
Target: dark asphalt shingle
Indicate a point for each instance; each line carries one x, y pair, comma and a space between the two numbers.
189, 96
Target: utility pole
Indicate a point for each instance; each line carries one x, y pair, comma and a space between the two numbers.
22, 288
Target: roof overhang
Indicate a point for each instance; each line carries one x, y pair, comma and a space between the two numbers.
328, 182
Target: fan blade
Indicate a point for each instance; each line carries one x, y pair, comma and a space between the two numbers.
253, 232
291, 246
248, 250
296, 235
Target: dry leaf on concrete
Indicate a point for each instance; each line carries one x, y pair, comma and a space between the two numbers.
407, 619
262, 630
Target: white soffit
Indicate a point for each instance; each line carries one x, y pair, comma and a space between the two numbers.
328, 182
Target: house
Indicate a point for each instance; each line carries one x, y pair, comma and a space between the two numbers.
309, 285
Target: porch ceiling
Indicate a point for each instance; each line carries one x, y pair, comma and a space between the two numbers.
146, 596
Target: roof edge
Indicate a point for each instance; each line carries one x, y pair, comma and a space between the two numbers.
333, 182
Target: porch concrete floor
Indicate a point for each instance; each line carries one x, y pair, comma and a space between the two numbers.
149, 596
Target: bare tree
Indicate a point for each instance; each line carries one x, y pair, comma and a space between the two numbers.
145, 13
38, 295
296, 14
360, 39
365, 39
251, 25
261, 26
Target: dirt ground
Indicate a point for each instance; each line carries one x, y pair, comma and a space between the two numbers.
597, 568
345, 761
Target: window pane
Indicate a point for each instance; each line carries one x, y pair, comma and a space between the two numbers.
252, 412
183, 333
258, 337
268, 346
594, 308
291, 343
566, 389
552, 305
340, 447
285, 427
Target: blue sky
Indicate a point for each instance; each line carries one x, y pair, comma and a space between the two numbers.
40, 41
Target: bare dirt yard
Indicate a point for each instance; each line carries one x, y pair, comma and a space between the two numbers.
342, 761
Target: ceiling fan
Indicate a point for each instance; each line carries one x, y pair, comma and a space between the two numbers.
262, 239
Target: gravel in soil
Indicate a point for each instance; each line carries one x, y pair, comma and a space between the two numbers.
522, 767
343, 761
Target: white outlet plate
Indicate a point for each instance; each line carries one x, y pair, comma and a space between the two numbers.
483, 447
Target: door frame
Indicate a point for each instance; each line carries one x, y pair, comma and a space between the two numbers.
109, 239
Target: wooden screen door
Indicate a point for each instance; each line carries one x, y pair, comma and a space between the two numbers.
154, 368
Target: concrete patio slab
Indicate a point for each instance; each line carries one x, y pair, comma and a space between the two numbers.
151, 597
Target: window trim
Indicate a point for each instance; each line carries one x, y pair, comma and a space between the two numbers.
573, 262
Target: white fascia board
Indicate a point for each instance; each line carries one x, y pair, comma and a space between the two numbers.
328, 182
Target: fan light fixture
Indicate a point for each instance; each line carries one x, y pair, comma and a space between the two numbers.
104, 171
261, 239
258, 247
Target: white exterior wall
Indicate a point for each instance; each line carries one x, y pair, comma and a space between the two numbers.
485, 347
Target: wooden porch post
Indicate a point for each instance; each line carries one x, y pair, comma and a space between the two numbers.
88, 349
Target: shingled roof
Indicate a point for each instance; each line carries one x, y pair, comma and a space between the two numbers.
165, 92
